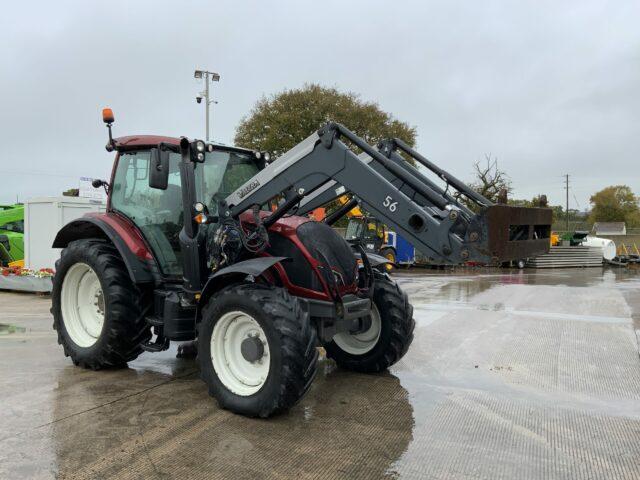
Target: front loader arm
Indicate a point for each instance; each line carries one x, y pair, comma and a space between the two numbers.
323, 158
324, 163
332, 190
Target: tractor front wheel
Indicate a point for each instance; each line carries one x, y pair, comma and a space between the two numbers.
256, 349
389, 254
387, 339
96, 307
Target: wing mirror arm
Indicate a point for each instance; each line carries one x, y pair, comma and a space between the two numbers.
97, 183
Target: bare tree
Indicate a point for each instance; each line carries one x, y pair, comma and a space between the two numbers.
491, 182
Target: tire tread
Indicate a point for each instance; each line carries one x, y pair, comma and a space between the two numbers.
298, 347
395, 308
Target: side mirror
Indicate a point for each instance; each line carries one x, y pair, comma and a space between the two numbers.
159, 169
97, 183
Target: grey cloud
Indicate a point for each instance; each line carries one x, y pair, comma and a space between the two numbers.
549, 88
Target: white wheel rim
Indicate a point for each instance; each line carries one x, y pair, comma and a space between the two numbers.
82, 304
361, 343
237, 373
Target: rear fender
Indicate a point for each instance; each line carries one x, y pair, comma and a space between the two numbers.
135, 254
233, 274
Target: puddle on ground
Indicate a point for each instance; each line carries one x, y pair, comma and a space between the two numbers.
427, 414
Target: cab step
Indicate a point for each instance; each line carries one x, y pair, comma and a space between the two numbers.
159, 345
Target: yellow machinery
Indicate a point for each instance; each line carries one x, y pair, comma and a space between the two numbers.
373, 230
354, 212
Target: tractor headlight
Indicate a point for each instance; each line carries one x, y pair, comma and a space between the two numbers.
258, 155
200, 157
267, 157
200, 146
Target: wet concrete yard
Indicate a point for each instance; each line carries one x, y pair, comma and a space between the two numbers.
519, 374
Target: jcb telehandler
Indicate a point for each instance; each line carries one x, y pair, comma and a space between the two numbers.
202, 241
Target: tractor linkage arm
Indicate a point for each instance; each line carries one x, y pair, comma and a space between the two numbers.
323, 167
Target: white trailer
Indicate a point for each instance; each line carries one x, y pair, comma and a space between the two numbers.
43, 219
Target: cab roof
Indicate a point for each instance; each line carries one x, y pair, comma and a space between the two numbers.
136, 141
133, 142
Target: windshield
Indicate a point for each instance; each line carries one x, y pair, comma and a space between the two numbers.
354, 230
221, 174
364, 229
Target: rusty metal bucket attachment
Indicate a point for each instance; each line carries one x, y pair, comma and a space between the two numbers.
517, 233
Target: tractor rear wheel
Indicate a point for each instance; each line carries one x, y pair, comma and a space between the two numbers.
387, 339
256, 349
96, 307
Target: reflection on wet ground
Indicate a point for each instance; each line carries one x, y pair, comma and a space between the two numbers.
512, 374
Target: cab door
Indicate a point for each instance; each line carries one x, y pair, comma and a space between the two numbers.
158, 214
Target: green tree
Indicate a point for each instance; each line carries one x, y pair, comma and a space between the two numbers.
577, 219
537, 201
279, 122
616, 203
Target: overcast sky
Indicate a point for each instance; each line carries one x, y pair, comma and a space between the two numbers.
547, 87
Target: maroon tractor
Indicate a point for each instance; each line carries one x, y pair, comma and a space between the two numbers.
209, 242
170, 260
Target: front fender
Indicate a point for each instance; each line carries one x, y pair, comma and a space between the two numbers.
235, 273
139, 262
374, 259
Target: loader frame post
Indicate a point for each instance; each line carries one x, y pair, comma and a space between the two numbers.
191, 244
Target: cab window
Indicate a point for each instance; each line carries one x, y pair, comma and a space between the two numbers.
157, 213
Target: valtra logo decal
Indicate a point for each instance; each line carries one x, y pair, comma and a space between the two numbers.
248, 189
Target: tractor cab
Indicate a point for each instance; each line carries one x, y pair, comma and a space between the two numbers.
367, 231
375, 237
157, 209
